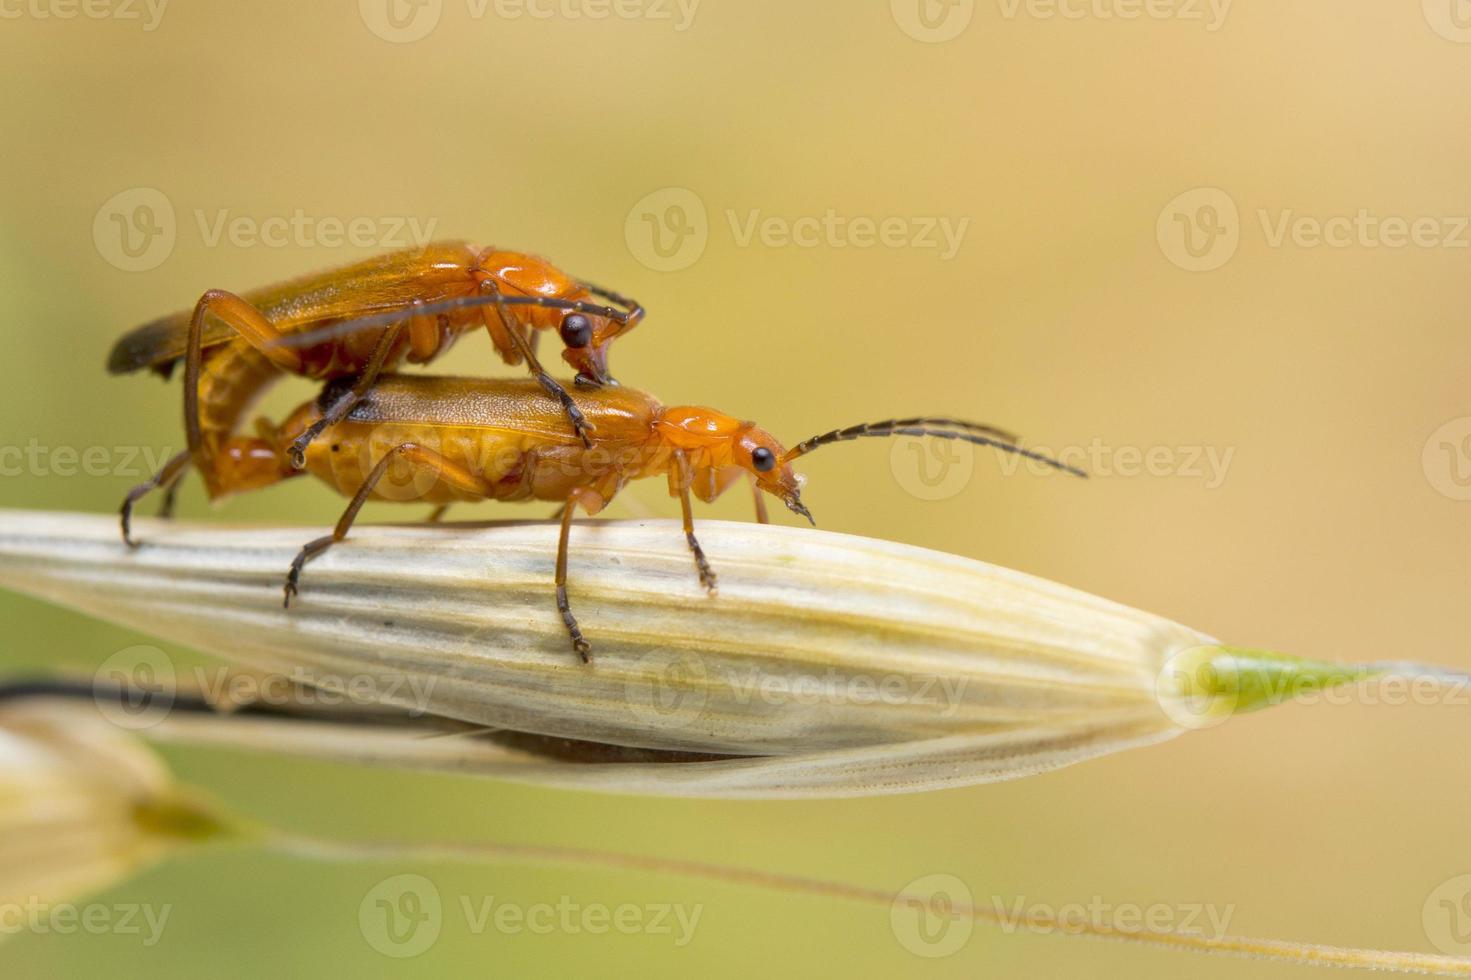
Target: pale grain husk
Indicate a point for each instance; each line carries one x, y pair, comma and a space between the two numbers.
849, 665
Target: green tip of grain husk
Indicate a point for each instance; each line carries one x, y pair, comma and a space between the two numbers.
186, 818
1204, 686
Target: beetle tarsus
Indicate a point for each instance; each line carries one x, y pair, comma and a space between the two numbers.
126, 515
707, 574
580, 424
293, 577
579, 642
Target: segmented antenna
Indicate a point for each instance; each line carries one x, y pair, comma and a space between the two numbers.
936, 428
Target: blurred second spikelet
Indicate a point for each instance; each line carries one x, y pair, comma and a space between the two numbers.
83, 805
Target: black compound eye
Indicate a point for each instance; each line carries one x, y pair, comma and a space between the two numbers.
763, 459
576, 330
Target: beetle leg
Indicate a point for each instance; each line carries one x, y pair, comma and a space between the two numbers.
569, 510
170, 496
169, 476
681, 474
580, 424
761, 516
349, 399
251, 324
452, 474
437, 515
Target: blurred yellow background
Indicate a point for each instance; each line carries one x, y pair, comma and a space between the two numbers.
1148, 271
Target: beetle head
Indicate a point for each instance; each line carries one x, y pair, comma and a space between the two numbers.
721, 449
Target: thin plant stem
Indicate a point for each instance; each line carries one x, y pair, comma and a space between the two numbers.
1305, 954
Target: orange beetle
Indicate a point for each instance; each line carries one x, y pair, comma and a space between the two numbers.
443, 440
409, 305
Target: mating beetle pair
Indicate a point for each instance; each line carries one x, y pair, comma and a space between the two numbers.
468, 438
